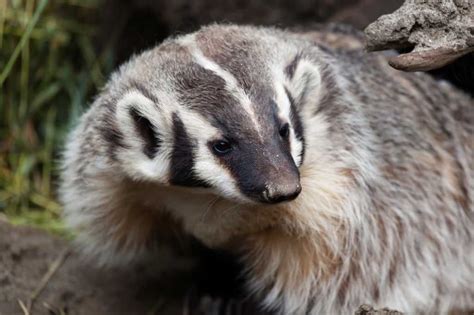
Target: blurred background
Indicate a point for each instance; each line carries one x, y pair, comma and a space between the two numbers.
55, 55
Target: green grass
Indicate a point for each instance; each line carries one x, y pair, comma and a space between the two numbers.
49, 71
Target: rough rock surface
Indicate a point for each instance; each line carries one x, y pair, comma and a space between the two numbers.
439, 31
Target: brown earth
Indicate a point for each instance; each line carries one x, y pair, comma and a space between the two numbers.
26, 255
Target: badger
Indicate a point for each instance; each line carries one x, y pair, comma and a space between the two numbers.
332, 178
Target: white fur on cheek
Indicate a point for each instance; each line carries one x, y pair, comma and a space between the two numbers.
282, 100
296, 148
206, 164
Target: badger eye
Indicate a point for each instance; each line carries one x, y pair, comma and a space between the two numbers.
285, 131
222, 147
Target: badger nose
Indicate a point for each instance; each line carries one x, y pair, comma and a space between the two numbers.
280, 193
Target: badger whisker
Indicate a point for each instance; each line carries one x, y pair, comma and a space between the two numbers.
231, 208
211, 204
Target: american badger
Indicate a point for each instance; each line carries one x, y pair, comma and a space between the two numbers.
335, 180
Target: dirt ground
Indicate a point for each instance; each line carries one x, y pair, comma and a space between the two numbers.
26, 255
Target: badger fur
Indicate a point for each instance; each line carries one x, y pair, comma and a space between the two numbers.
335, 179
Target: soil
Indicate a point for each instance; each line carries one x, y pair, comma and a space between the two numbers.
26, 254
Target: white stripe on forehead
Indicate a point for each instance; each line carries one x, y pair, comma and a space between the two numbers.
284, 106
231, 83
282, 101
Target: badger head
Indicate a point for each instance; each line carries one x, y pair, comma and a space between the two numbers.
220, 114
216, 111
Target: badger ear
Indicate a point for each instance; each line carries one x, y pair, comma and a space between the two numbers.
304, 80
141, 123
147, 131
139, 119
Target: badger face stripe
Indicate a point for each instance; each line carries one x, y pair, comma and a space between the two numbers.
151, 138
182, 158
204, 92
294, 117
297, 124
231, 82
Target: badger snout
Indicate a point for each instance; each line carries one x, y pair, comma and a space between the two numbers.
265, 173
281, 192
273, 185
278, 184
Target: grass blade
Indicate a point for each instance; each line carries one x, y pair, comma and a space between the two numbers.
23, 40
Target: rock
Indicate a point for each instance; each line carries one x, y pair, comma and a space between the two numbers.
437, 31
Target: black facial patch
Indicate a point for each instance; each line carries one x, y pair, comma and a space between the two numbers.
296, 122
254, 165
182, 158
147, 132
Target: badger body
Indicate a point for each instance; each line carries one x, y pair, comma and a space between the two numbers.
335, 179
